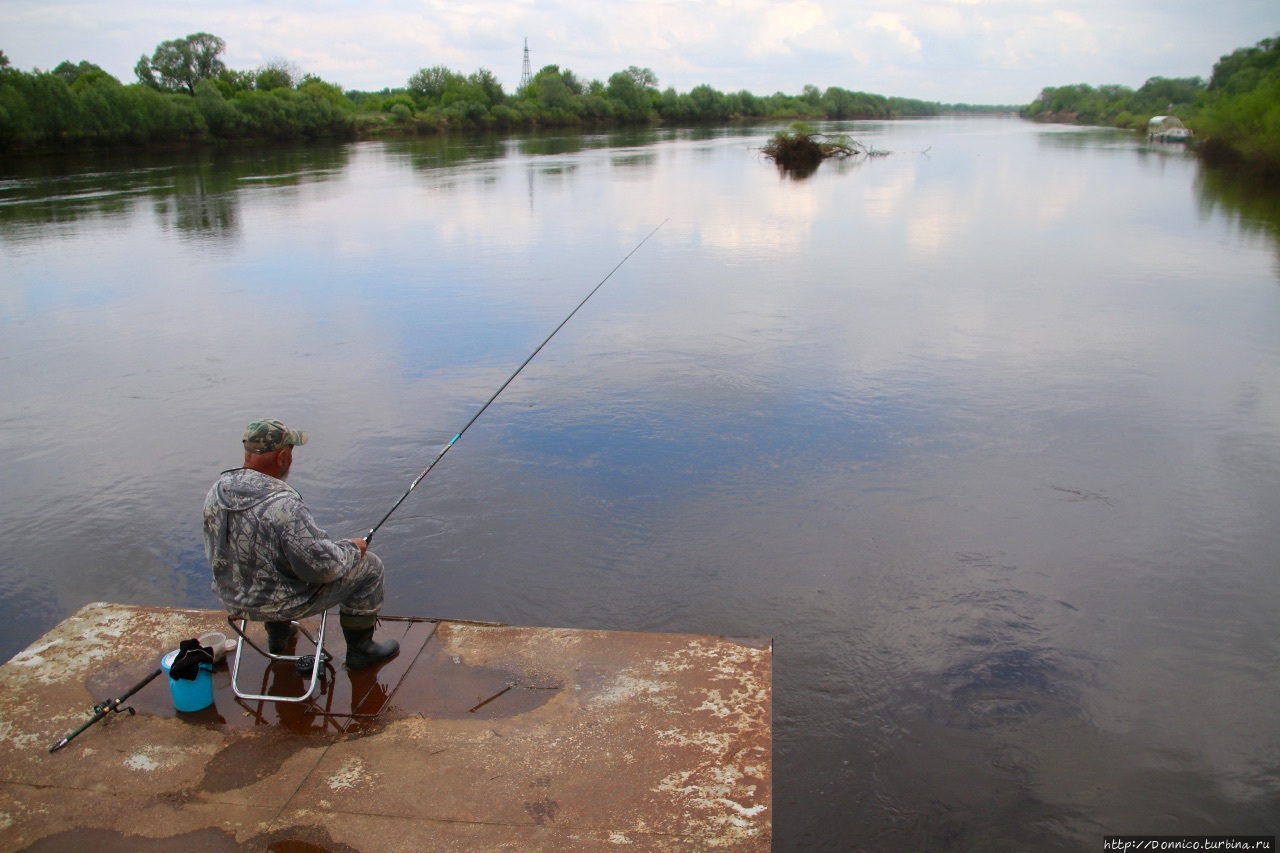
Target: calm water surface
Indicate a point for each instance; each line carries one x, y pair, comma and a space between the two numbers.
985, 434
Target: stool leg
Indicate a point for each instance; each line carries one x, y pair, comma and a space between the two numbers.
240, 625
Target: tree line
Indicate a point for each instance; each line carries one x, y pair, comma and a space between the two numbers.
440, 98
1236, 113
1117, 106
185, 92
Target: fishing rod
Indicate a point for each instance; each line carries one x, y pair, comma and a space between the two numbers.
111, 706
368, 537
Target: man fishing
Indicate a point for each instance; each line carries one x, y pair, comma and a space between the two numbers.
272, 563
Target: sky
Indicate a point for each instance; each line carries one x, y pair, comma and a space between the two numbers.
952, 51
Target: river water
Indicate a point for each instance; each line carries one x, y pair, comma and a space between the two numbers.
984, 433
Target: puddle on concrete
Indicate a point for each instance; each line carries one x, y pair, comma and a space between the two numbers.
445, 688
297, 845
347, 702
107, 841
299, 839
263, 736
294, 839
116, 678
249, 760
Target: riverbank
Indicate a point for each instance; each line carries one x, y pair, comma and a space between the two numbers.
1233, 115
1255, 155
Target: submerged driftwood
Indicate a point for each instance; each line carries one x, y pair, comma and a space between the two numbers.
802, 148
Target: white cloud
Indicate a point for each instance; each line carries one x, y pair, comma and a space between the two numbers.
784, 28
901, 33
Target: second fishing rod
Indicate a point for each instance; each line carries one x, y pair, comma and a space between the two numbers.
368, 537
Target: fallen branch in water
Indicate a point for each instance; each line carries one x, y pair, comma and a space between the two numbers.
804, 148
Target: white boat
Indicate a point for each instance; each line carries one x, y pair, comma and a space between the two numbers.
1167, 129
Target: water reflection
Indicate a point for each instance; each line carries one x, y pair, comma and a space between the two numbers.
1075, 137
797, 173
198, 206
554, 143
191, 193
634, 162
984, 433
1253, 206
443, 150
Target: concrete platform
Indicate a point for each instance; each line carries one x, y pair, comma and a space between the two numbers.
477, 737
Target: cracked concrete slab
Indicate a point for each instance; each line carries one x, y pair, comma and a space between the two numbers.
478, 736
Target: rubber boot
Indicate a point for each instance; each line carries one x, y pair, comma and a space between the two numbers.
278, 636
362, 649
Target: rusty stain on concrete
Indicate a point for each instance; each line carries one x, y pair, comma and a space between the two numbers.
477, 737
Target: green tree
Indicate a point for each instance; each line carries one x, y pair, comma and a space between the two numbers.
630, 98
484, 82
709, 103
839, 103
1155, 95
179, 64
555, 90
428, 85
1241, 116
71, 73
553, 94
55, 108
220, 115
565, 86
388, 105
231, 81
571, 82
317, 88
104, 105
277, 74
1242, 70
645, 77
15, 115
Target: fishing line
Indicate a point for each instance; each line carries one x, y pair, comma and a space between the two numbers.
368, 537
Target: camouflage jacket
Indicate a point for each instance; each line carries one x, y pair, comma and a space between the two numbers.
268, 557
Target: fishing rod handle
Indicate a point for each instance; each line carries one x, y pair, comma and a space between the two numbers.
102, 709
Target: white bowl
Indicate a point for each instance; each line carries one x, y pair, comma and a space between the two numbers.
217, 641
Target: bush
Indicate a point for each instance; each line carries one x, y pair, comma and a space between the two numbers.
504, 116
220, 116
466, 114
388, 105
1247, 125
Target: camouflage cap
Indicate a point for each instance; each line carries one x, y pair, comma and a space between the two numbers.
269, 435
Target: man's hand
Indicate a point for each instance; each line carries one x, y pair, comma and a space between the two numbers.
362, 545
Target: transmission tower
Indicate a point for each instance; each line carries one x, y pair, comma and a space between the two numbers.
526, 75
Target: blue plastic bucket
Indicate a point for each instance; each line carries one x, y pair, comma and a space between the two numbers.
195, 695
